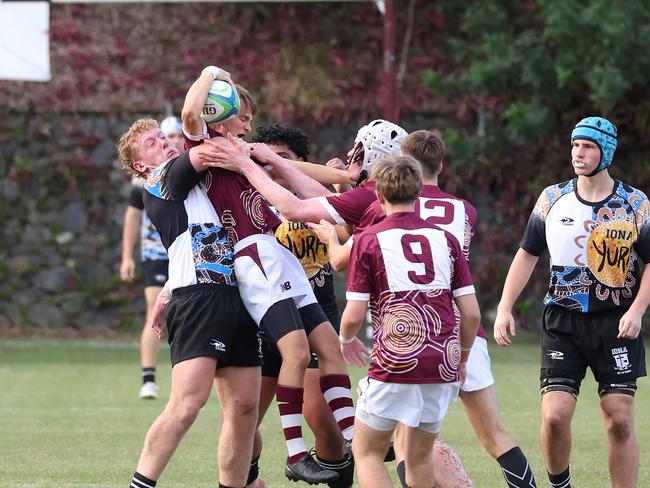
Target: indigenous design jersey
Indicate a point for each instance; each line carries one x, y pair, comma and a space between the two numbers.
190, 229
243, 210
348, 207
151, 246
303, 243
594, 247
450, 213
410, 270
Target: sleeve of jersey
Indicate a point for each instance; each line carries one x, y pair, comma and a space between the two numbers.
358, 281
348, 207
181, 176
471, 216
534, 239
461, 281
135, 197
642, 244
192, 140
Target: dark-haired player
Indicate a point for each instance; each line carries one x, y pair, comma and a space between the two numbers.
293, 144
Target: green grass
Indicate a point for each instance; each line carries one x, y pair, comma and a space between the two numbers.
70, 417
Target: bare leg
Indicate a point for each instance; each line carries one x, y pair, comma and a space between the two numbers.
238, 391
369, 448
325, 343
294, 350
482, 411
149, 342
618, 414
419, 462
555, 435
448, 469
190, 389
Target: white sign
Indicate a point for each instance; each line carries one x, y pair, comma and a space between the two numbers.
24, 41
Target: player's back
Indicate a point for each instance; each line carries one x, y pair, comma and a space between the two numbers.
410, 270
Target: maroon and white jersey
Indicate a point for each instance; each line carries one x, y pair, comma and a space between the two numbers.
242, 209
349, 207
410, 271
450, 213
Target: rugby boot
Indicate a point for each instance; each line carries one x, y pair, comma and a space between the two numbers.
308, 470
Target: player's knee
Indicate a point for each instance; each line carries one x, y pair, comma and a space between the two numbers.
298, 358
186, 411
555, 421
619, 428
244, 406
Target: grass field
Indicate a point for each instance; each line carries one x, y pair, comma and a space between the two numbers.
70, 417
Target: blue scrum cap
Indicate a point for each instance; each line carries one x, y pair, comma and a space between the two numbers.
601, 132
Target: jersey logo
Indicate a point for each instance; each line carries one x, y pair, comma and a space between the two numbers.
566, 220
218, 345
557, 355
286, 286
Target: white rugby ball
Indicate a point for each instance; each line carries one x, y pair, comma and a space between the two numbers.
221, 104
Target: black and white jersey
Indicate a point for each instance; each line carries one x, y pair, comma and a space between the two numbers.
151, 247
177, 203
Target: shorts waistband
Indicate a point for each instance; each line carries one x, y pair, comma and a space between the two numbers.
247, 241
184, 290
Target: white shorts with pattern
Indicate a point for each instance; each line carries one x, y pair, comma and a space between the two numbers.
268, 273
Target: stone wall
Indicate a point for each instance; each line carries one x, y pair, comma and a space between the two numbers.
62, 201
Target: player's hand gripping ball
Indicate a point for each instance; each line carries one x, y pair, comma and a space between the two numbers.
222, 103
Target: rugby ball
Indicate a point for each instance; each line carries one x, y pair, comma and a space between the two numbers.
221, 104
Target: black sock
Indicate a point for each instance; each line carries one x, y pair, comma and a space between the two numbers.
401, 473
226, 486
139, 481
516, 469
148, 374
562, 480
254, 470
344, 467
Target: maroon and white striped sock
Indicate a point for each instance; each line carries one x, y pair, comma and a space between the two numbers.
290, 404
337, 391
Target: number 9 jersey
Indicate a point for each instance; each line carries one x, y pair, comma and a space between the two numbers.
410, 270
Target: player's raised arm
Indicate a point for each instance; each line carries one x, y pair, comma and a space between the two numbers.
196, 96
518, 275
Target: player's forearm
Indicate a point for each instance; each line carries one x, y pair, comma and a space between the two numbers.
642, 299
352, 319
281, 198
302, 184
470, 317
194, 101
324, 174
339, 255
130, 231
518, 275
